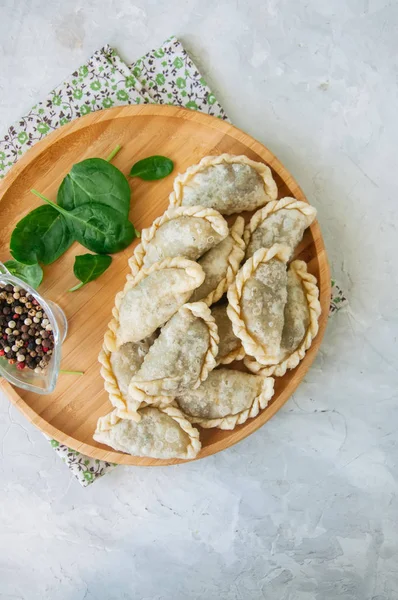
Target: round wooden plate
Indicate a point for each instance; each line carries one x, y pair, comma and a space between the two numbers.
70, 413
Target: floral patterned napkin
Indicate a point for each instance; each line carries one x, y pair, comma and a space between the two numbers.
163, 76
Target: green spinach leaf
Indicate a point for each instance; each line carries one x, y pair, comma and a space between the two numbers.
88, 267
95, 181
41, 236
30, 274
151, 168
97, 227
100, 229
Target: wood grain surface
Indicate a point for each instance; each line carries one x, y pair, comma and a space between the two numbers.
70, 413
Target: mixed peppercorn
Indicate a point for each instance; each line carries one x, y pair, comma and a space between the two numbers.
26, 336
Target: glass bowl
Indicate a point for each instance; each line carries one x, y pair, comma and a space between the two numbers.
44, 382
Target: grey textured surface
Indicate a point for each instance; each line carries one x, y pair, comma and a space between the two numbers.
306, 508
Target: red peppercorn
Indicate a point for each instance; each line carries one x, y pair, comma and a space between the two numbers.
44, 349
2, 353
15, 316
20, 366
26, 344
5, 337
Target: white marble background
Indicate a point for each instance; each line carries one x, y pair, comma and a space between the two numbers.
306, 508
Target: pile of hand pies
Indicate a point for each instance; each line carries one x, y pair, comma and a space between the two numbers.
203, 293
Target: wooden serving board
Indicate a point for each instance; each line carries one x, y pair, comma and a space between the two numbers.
70, 413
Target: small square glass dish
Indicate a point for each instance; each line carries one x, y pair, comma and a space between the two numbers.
40, 381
